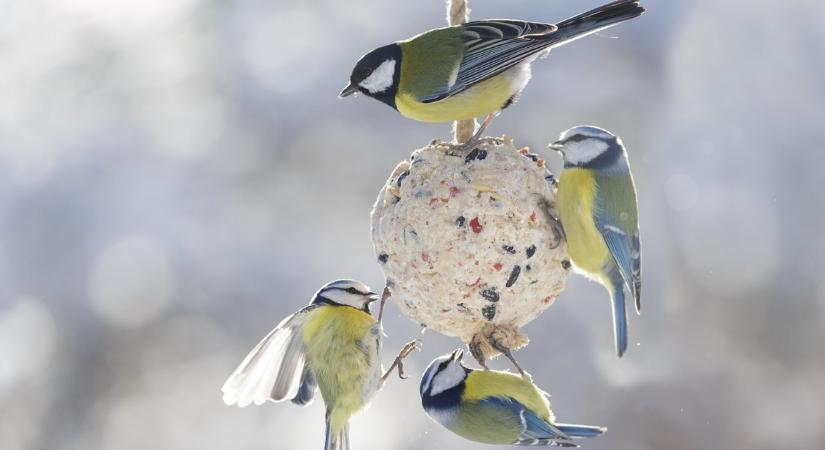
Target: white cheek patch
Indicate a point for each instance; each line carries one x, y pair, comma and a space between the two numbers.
428, 377
584, 151
381, 78
447, 378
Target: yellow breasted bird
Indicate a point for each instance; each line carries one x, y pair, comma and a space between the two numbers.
597, 208
466, 71
332, 345
493, 407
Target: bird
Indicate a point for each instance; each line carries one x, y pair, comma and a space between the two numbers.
493, 407
332, 345
599, 217
470, 70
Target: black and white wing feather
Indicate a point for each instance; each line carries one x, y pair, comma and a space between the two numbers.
491, 47
307, 390
494, 46
275, 369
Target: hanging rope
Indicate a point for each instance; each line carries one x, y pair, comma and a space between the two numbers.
458, 13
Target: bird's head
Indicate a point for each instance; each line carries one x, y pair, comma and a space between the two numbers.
346, 293
377, 75
583, 144
443, 374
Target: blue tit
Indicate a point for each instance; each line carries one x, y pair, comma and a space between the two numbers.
597, 208
493, 407
470, 70
332, 345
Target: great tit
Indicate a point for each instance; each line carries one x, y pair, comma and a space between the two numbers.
493, 407
597, 208
332, 345
465, 71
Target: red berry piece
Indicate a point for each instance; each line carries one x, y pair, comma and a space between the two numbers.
475, 225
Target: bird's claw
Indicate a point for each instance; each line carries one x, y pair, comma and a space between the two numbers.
555, 224
461, 150
491, 140
558, 232
408, 348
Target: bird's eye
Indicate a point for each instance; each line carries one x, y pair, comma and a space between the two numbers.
576, 138
352, 290
361, 74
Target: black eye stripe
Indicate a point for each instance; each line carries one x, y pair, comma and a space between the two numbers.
349, 290
576, 138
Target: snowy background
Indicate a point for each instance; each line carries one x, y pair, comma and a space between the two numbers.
176, 176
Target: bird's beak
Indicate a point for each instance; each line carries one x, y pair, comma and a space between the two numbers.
557, 146
347, 91
372, 296
457, 355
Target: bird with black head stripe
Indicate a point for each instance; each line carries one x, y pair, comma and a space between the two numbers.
470, 70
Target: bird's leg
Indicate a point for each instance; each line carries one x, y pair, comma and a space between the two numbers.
409, 347
509, 356
386, 295
506, 352
346, 443
478, 354
462, 149
477, 136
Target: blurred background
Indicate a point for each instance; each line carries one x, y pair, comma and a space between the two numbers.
177, 176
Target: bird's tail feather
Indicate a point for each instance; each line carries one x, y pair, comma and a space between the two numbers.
339, 441
595, 20
329, 441
545, 443
580, 431
343, 437
619, 317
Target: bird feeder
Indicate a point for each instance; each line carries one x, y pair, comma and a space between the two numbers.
469, 243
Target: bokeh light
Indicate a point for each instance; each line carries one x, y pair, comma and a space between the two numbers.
131, 282
178, 176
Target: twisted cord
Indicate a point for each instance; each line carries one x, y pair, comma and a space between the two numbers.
457, 13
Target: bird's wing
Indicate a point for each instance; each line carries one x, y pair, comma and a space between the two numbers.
274, 369
307, 390
616, 217
535, 430
491, 47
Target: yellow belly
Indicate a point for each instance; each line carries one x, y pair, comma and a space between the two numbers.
585, 244
342, 352
486, 97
